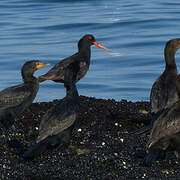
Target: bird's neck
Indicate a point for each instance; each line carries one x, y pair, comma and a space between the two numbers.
85, 52
169, 54
29, 78
72, 93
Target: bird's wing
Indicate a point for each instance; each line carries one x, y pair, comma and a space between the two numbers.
163, 93
61, 116
166, 125
83, 70
14, 95
57, 72
158, 92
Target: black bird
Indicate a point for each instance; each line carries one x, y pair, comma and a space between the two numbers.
57, 124
14, 100
83, 56
165, 135
164, 91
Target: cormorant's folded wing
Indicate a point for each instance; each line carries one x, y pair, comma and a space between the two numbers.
167, 125
60, 117
14, 95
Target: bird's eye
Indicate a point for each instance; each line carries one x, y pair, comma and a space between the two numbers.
90, 37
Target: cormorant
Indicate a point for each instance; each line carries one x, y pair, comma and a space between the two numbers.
57, 124
165, 135
83, 56
164, 91
14, 100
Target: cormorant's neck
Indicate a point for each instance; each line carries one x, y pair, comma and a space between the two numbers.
72, 92
28, 78
169, 54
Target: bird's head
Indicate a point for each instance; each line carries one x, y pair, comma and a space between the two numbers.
89, 40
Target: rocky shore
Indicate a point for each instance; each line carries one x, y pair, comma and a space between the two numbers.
101, 146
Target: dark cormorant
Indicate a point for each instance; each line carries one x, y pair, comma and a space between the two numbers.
164, 91
57, 124
14, 100
165, 135
83, 56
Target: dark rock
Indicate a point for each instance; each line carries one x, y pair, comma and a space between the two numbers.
101, 145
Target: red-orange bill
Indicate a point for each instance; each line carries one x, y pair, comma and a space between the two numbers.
101, 46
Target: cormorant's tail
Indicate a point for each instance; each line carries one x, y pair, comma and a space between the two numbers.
32, 152
143, 130
47, 143
147, 129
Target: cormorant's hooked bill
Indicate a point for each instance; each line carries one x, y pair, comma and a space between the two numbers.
40, 65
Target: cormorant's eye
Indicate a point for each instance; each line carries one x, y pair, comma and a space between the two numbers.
90, 37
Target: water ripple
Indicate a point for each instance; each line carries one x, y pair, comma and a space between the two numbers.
50, 29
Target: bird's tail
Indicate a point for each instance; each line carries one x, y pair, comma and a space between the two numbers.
143, 130
147, 129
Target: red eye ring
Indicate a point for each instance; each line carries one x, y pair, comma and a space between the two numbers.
90, 37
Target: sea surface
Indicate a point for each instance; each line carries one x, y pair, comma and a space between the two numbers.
48, 30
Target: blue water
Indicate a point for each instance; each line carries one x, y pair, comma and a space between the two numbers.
49, 30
